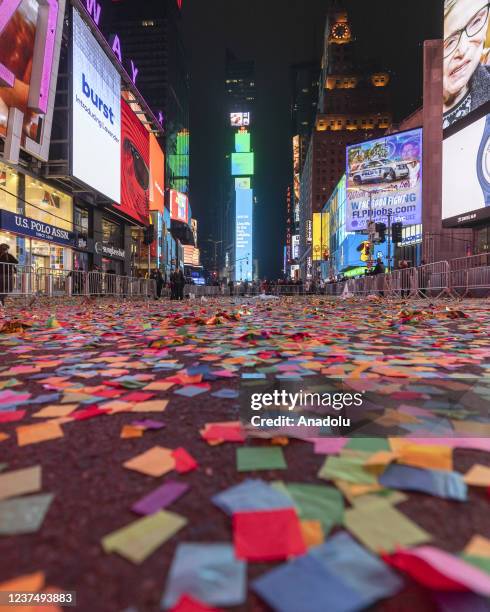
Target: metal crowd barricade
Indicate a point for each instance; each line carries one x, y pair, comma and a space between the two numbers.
287, 289
434, 280
16, 280
403, 283
470, 276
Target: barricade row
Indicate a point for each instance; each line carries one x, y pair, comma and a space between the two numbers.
17, 280
463, 277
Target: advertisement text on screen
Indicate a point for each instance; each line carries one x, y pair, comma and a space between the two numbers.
96, 114
384, 178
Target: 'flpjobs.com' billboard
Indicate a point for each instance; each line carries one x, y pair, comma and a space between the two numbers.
96, 104
384, 179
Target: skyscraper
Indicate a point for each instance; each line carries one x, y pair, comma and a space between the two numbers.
151, 35
238, 171
353, 105
304, 105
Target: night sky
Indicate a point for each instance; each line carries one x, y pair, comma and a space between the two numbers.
276, 34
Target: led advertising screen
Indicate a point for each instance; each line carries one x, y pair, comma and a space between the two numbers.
244, 235
96, 102
243, 183
157, 175
385, 175
296, 168
240, 119
321, 236
466, 174
242, 142
242, 164
295, 246
466, 51
135, 166
191, 255
30, 36
355, 251
179, 206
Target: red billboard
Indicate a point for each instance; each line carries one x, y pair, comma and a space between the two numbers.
157, 175
179, 206
135, 166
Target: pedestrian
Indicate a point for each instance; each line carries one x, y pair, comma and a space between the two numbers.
95, 280
230, 287
157, 276
404, 278
180, 283
7, 271
173, 285
379, 269
111, 281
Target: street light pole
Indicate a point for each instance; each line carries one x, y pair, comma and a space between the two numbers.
215, 258
389, 240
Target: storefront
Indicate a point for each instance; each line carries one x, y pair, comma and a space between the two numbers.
111, 247
36, 221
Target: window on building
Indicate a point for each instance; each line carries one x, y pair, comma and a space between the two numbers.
112, 233
80, 221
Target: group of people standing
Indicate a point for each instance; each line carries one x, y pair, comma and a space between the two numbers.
177, 283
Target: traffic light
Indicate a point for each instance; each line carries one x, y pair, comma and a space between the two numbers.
396, 233
381, 231
149, 234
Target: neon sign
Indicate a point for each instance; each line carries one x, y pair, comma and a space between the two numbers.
94, 9
43, 51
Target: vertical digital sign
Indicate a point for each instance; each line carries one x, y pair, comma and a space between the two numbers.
242, 141
244, 235
96, 109
321, 236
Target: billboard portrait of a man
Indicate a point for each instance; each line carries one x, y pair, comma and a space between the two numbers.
466, 79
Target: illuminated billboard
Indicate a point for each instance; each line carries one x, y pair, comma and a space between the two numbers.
355, 251
466, 71
191, 255
242, 164
244, 235
30, 38
321, 236
385, 175
466, 174
157, 175
240, 119
135, 166
96, 103
243, 183
295, 246
179, 206
242, 141
296, 168
178, 161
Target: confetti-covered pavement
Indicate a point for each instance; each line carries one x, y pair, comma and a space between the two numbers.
127, 477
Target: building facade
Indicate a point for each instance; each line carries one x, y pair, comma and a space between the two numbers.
237, 218
82, 173
353, 105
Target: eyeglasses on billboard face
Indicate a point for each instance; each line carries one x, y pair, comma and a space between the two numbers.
474, 26
141, 171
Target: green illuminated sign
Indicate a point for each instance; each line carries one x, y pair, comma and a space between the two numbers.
354, 272
242, 164
242, 142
